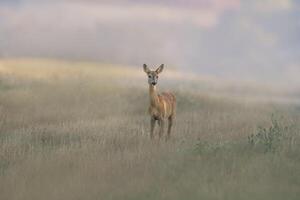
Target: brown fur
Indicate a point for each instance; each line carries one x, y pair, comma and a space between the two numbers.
162, 106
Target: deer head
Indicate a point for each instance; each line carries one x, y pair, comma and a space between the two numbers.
153, 75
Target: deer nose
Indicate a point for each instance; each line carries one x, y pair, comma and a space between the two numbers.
153, 83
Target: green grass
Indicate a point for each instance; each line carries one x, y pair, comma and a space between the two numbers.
77, 133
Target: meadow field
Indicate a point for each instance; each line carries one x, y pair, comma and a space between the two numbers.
79, 130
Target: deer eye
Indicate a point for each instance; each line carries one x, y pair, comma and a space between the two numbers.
149, 76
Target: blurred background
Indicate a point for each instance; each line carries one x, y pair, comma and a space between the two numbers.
255, 41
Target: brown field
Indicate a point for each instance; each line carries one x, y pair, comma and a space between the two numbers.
81, 131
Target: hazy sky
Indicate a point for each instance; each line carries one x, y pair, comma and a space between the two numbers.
243, 39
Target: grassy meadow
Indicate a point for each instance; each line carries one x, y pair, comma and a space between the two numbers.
75, 130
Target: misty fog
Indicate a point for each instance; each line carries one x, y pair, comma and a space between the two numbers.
232, 39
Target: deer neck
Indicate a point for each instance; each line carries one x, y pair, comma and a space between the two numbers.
154, 101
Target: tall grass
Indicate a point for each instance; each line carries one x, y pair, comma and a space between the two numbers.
78, 133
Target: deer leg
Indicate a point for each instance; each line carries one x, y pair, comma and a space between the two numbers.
152, 127
170, 123
162, 126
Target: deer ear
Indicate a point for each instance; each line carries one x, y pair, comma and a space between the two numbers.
159, 69
146, 69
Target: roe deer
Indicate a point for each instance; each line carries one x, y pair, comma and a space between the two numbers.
162, 106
